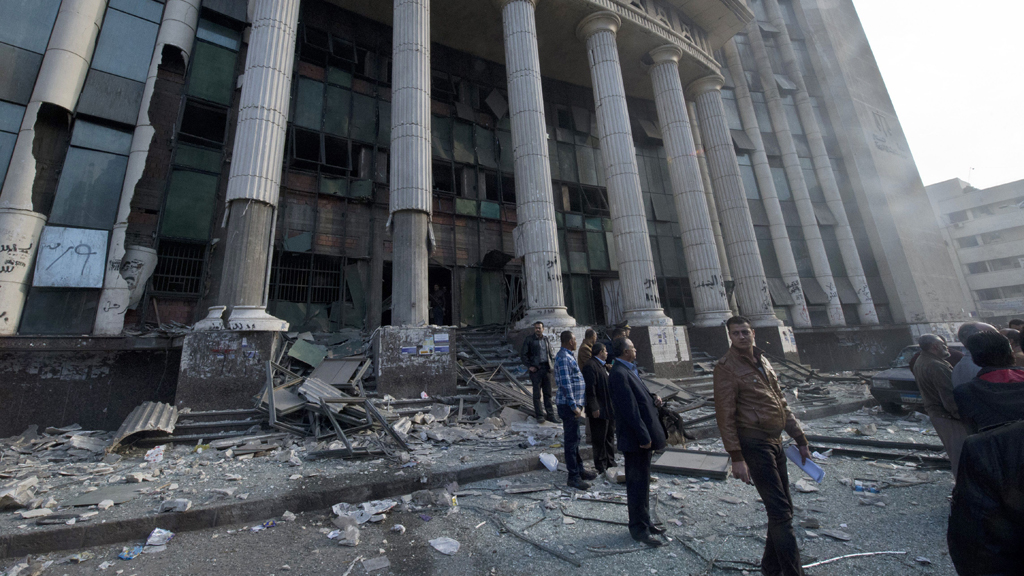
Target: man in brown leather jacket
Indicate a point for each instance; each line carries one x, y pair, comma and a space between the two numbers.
752, 413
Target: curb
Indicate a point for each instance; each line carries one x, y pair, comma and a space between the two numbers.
130, 529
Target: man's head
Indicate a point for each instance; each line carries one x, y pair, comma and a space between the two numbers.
1017, 324
568, 340
624, 349
437, 287
590, 335
538, 329
969, 329
1013, 336
600, 351
990, 350
627, 328
934, 345
618, 333
740, 333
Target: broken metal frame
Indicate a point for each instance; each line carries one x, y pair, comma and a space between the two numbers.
876, 443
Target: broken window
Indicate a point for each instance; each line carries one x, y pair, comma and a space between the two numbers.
441, 137
338, 111
309, 103
463, 138
125, 44
179, 268
202, 124
188, 212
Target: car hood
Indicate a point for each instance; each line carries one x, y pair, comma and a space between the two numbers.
894, 374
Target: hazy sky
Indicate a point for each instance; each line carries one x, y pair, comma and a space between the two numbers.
955, 72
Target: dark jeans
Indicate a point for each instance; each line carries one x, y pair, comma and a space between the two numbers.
767, 464
542, 381
571, 428
602, 433
638, 492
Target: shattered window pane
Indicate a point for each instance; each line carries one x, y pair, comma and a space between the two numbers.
27, 23
213, 73
89, 189
191, 198
125, 45
203, 124
587, 165
567, 162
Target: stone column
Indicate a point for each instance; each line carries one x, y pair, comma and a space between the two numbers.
769, 196
740, 243
411, 168
709, 195
177, 28
823, 169
641, 302
254, 183
795, 176
705, 272
59, 82
536, 235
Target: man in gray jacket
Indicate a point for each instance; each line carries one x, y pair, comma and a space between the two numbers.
537, 357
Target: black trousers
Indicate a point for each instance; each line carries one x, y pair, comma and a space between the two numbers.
767, 464
542, 380
638, 492
602, 434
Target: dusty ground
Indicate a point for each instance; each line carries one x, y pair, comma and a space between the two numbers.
716, 519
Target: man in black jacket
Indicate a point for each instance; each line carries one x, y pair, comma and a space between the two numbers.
536, 356
640, 434
599, 409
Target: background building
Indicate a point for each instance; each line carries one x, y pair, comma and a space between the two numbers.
985, 232
270, 158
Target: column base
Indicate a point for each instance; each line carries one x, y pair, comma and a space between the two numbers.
765, 321
777, 341
663, 350
655, 317
19, 234
223, 370
214, 321
551, 317
710, 320
712, 340
409, 360
254, 318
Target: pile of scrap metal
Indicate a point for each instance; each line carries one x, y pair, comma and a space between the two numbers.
327, 402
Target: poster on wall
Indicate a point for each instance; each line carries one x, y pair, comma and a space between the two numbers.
70, 258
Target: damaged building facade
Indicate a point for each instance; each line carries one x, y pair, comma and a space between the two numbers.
323, 165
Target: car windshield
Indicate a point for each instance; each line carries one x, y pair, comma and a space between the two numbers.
903, 360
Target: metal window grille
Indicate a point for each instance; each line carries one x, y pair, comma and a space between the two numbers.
306, 278
179, 267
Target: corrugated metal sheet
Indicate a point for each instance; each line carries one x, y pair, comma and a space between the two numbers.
148, 417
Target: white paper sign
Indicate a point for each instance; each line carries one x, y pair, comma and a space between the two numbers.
71, 258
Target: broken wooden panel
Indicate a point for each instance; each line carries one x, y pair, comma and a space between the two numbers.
692, 463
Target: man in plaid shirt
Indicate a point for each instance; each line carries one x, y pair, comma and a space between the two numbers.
571, 400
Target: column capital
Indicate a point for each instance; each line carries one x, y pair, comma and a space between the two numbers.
703, 85
502, 3
598, 22
667, 53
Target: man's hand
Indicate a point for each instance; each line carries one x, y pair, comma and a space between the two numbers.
646, 446
596, 413
658, 401
578, 412
741, 472
805, 453
533, 368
